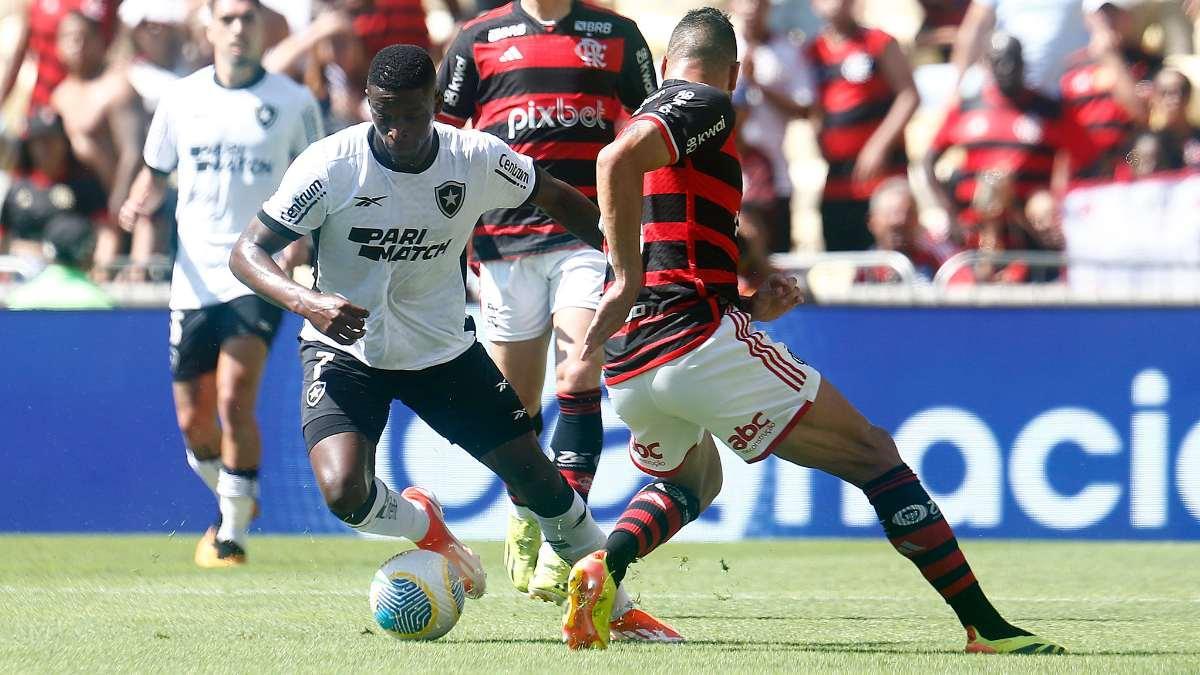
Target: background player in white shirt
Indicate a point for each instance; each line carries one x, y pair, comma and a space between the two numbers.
390, 205
230, 131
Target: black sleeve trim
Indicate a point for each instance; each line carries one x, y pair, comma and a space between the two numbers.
278, 227
537, 184
158, 172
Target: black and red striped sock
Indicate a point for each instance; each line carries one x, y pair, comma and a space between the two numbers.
916, 528
578, 438
653, 516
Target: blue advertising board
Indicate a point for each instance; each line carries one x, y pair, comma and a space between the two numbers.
1066, 422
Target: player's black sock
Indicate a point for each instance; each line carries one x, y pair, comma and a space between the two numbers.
916, 528
537, 422
578, 438
653, 516
360, 514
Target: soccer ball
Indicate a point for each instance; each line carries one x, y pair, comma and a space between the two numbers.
417, 595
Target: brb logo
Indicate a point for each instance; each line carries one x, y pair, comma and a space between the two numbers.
558, 115
396, 244
750, 435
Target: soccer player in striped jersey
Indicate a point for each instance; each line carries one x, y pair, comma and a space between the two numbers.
550, 78
684, 363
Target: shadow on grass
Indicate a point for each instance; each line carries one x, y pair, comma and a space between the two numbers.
852, 617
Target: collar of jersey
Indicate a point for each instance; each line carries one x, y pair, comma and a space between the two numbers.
386, 162
538, 25
262, 72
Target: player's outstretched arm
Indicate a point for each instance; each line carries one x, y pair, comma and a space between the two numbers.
568, 207
252, 264
619, 171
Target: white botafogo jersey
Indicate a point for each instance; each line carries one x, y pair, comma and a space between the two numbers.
390, 241
231, 148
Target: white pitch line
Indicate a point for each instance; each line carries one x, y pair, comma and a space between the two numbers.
756, 596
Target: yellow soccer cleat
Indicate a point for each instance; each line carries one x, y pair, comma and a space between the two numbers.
590, 595
213, 554
549, 582
521, 551
1021, 644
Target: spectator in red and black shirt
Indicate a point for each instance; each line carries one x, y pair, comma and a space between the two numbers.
1106, 91
866, 96
1006, 129
551, 78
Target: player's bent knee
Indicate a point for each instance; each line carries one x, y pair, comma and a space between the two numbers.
235, 409
344, 494
573, 375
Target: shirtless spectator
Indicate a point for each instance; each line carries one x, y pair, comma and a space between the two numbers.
157, 33
100, 110
38, 41
893, 222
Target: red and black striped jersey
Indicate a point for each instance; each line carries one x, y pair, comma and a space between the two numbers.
689, 223
1087, 93
855, 98
553, 93
1011, 137
44, 18
390, 22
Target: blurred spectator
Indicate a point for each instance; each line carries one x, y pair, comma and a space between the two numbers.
1150, 153
49, 181
1107, 90
99, 108
1049, 30
894, 224
1044, 218
1172, 17
940, 26
325, 53
157, 33
1171, 97
39, 41
379, 23
775, 86
64, 283
1006, 129
866, 96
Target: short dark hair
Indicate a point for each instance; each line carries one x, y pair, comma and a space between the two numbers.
72, 237
401, 67
704, 34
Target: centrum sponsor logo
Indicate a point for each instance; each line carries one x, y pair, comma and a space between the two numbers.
303, 201
512, 170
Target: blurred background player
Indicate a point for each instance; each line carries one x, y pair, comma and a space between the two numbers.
230, 131
361, 348
689, 335
866, 95
551, 78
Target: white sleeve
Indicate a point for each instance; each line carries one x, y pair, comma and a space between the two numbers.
301, 202
800, 82
511, 176
309, 127
160, 152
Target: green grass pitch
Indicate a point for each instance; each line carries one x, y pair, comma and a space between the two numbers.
136, 604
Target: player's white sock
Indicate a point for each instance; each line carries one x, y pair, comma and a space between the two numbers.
237, 491
391, 515
206, 469
621, 603
573, 534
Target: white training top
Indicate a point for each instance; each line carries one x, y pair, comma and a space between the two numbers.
231, 147
390, 241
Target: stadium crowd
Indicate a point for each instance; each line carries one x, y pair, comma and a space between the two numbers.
963, 135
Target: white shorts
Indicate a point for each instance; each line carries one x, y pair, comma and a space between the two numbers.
518, 296
745, 389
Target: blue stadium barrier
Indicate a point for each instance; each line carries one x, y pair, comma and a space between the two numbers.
1081, 423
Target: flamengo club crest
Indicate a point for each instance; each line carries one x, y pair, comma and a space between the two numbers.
450, 196
266, 115
591, 52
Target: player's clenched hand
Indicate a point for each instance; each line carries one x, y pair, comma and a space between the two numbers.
776, 297
610, 316
336, 317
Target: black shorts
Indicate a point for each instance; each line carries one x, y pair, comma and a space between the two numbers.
197, 334
466, 399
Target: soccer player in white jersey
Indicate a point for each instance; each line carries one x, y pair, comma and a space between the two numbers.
390, 205
229, 131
